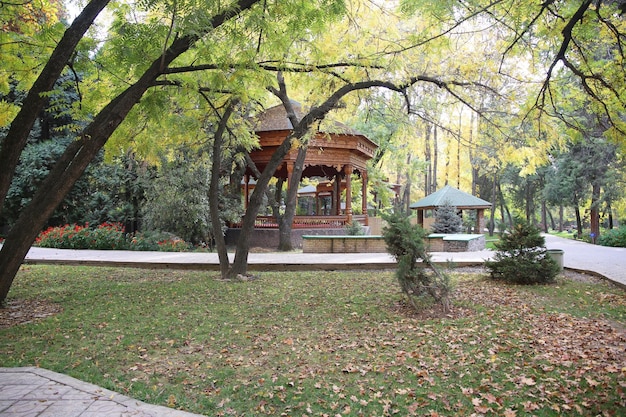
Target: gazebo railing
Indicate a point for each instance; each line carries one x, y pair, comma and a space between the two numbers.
307, 222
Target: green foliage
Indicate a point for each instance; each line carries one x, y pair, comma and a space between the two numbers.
447, 220
354, 229
522, 257
178, 202
614, 237
405, 242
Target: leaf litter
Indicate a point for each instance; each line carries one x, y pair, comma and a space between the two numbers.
501, 351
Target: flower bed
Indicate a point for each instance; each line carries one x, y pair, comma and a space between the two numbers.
107, 236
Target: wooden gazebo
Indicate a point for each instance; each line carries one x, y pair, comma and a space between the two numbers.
334, 153
457, 198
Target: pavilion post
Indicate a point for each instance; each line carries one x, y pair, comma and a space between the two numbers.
348, 172
364, 196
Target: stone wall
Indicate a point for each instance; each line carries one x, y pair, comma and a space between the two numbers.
455, 243
344, 244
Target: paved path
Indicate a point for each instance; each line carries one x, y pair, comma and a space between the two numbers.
603, 261
34, 392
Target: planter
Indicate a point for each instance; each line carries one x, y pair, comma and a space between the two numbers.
557, 255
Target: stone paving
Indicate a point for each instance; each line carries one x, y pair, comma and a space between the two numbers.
35, 392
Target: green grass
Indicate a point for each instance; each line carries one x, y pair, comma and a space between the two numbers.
326, 343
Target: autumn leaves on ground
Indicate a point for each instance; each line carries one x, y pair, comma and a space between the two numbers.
326, 343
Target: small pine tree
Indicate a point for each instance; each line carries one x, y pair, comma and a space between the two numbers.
522, 257
447, 220
405, 242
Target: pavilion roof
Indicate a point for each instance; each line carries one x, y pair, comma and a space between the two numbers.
275, 118
455, 197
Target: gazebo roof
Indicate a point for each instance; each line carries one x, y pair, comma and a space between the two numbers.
275, 119
459, 199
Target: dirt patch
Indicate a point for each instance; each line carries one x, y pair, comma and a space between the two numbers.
18, 312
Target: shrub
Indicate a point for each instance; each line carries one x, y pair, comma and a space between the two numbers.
105, 236
405, 242
522, 257
447, 220
354, 229
108, 236
614, 237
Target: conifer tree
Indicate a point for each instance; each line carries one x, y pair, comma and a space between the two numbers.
522, 257
447, 220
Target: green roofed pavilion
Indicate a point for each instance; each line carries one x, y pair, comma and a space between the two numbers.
457, 198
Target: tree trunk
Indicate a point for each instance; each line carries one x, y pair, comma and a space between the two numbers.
286, 221
560, 217
406, 196
494, 200
433, 186
427, 158
544, 216
579, 222
552, 222
595, 213
17, 136
80, 153
215, 192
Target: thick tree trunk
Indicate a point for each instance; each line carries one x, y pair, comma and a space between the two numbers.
17, 136
79, 154
215, 191
284, 231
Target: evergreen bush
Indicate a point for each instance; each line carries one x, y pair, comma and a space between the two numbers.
522, 257
405, 242
615, 238
354, 229
447, 220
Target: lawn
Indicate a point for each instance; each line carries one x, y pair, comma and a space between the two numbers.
324, 343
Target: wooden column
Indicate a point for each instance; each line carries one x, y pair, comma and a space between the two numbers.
364, 195
337, 195
289, 166
480, 221
420, 217
348, 171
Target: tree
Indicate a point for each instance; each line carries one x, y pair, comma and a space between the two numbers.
177, 200
447, 219
522, 257
79, 153
17, 136
405, 242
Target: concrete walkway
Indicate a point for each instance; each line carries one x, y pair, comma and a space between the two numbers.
34, 392
607, 262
